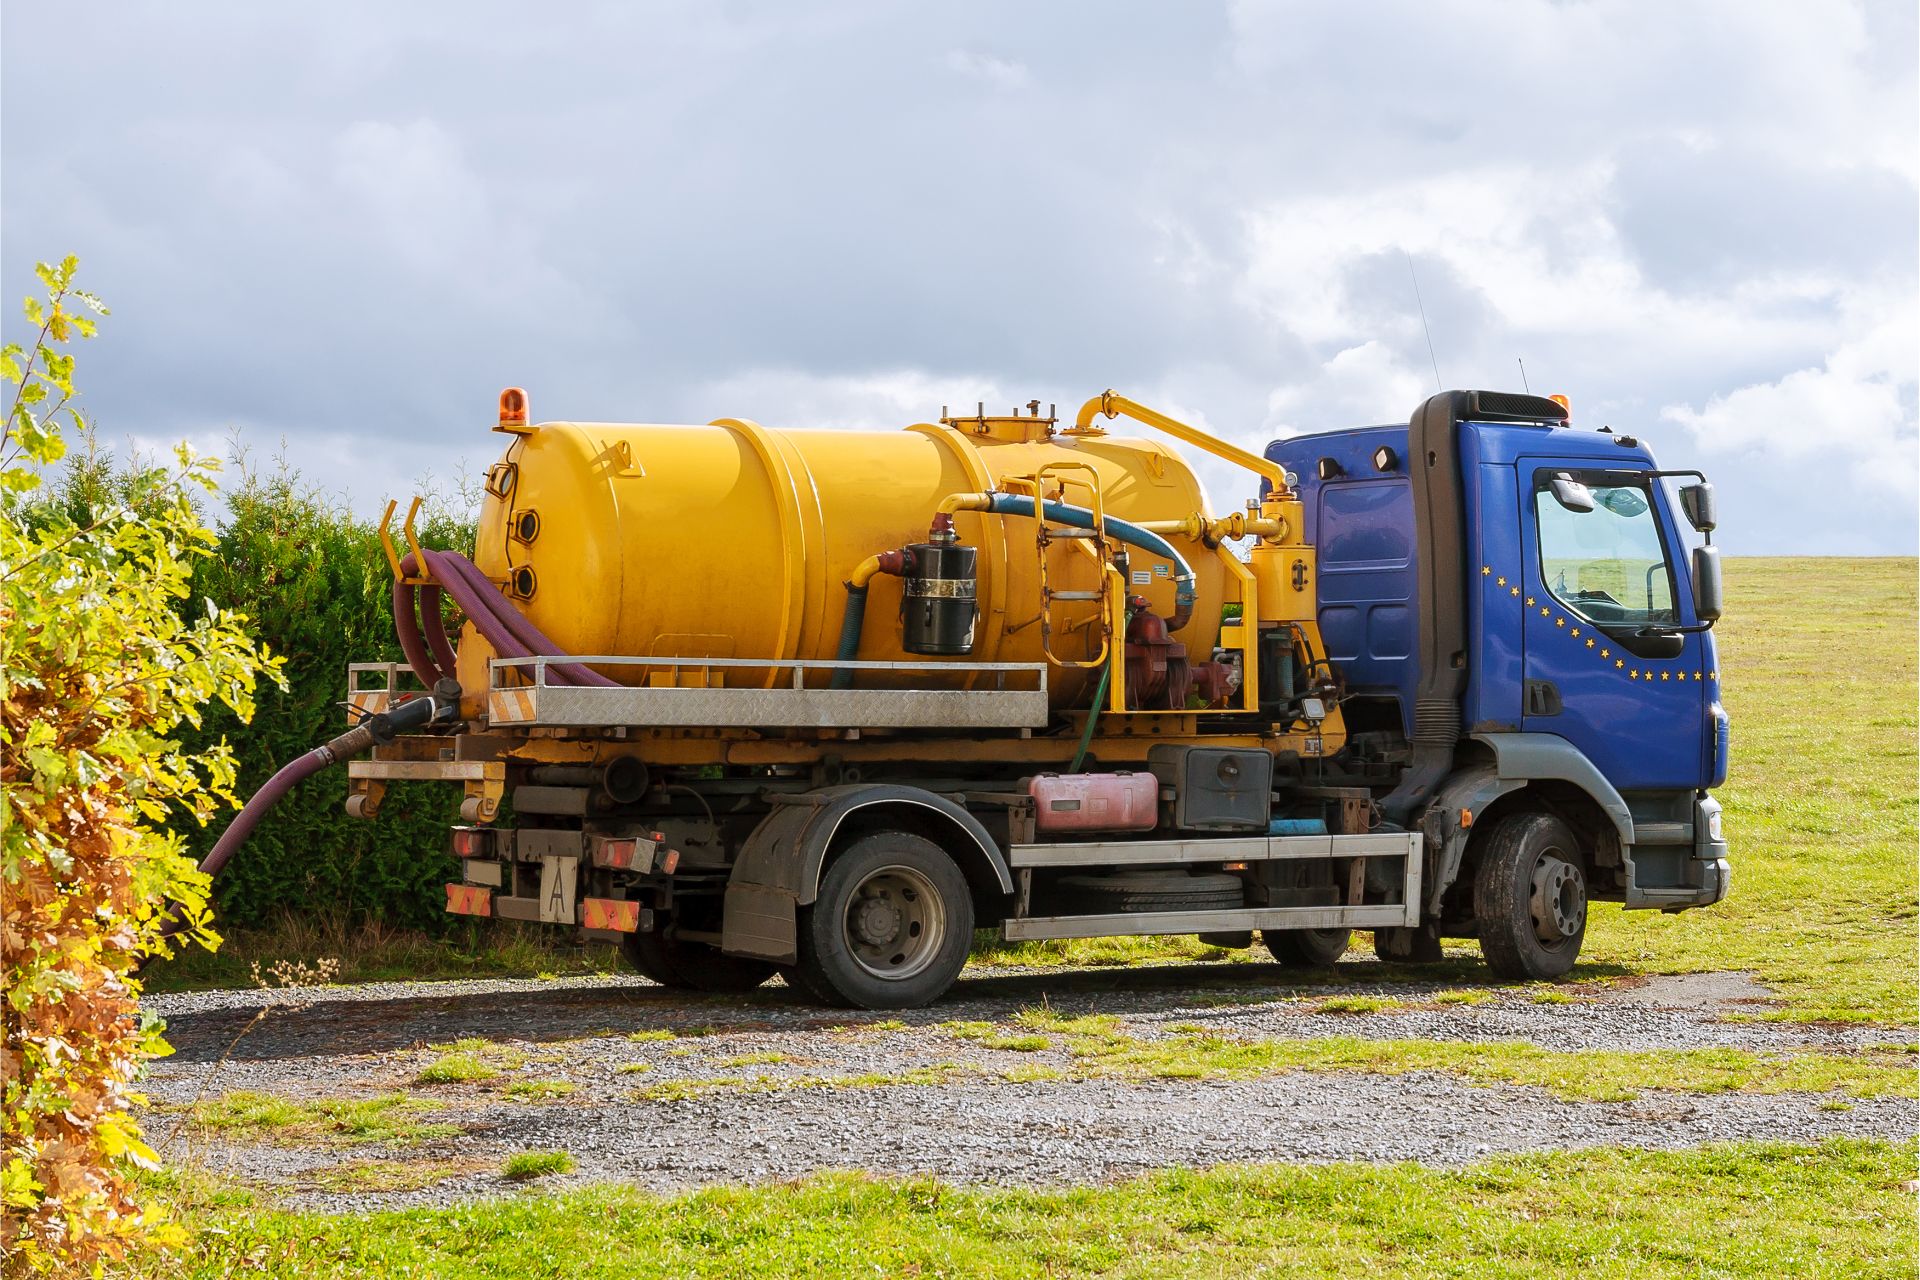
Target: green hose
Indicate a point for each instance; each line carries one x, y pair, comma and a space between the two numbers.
1093, 717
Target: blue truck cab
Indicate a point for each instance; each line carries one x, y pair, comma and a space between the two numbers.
1525, 637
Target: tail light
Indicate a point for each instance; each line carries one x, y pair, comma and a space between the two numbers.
472, 842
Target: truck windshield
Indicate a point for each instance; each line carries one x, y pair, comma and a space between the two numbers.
1608, 564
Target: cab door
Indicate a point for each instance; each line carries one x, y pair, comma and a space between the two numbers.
1608, 665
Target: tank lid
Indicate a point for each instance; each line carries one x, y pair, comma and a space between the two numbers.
1016, 426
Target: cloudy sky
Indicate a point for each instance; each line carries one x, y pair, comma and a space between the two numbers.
347, 226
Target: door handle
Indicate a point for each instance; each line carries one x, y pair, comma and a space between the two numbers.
1543, 698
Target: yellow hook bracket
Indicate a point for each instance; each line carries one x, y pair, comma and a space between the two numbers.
421, 578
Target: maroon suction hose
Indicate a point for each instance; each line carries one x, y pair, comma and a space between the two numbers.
500, 623
441, 705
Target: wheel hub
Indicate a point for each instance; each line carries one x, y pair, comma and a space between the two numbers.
896, 923
876, 921
1558, 901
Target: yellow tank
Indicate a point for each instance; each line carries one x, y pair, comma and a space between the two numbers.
734, 540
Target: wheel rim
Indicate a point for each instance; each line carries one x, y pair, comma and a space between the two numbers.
895, 923
1558, 902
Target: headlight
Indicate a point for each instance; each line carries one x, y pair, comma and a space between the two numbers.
1714, 830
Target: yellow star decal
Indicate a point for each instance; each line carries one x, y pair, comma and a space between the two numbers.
1617, 663
1713, 675
1574, 632
1484, 570
1500, 581
1649, 675
1513, 591
1544, 611
1607, 653
1529, 602
1633, 674
1559, 622
1589, 642
1663, 675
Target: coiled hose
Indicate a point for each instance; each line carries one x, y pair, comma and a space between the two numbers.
423, 637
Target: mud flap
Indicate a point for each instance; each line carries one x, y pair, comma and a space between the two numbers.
760, 920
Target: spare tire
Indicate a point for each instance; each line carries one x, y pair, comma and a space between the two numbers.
1138, 891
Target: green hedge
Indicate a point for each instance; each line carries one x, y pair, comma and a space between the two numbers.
314, 584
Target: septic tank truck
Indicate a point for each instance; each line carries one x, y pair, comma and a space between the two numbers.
823, 703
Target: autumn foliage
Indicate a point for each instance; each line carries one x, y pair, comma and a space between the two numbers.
105, 659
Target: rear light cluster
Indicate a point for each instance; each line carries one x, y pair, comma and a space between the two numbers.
635, 853
643, 854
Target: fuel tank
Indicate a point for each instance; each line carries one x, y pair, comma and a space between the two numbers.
735, 540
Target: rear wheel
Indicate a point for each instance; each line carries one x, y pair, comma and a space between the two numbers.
1530, 898
693, 966
890, 926
1307, 948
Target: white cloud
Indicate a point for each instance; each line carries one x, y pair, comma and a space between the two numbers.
999, 72
340, 229
1359, 386
1856, 409
885, 400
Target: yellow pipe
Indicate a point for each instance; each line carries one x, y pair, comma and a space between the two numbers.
1114, 405
865, 572
965, 502
1235, 526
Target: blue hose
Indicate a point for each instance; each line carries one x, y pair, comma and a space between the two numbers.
1184, 593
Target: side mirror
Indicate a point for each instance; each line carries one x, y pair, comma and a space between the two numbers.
1698, 505
1570, 493
1709, 589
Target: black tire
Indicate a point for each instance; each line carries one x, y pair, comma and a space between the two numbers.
1307, 948
644, 951
1131, 891
694, 966
1530, 898
1408, 946
795, 976
890, 926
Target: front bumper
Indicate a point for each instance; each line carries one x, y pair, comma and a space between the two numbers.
1677, 877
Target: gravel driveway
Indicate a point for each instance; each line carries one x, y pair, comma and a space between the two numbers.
667, 1091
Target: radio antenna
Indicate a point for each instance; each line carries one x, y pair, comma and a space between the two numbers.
1437, 383
1523, 375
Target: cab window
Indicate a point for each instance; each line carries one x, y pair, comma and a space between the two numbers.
1601, 552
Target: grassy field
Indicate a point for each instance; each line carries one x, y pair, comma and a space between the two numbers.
1844, 1209
1818, 672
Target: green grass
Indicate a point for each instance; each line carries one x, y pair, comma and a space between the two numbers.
387, 1175
524, 1166
990, 1035
1098, 1046
1735, 1211
1356, 1004
1595, 1075
1817, 666
763, 1059
391, 1117
539, 1090
370, 951
456, 1068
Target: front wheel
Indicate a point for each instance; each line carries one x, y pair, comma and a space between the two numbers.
1530, 898
890, 926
